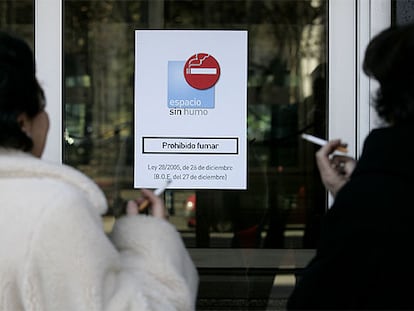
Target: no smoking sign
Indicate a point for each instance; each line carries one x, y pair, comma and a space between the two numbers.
201, 71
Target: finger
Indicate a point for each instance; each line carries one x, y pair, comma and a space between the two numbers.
329, 147
349, 167
345, 163
157, 205
323, 156
338, 163
132, 208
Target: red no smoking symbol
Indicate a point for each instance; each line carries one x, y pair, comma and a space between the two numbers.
201, 71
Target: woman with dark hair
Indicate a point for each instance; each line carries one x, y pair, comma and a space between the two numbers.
21, 97
364, 258
55, 254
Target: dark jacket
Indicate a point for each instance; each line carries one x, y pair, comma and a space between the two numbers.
365, 256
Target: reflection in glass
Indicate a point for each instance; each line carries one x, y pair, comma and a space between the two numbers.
17, 17
286, 96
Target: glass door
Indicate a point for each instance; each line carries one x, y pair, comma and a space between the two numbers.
302, 78
287, 96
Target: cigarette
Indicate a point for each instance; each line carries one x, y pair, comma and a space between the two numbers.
203, 71
157, 192
321, 142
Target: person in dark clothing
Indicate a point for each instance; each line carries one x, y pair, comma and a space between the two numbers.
364, 258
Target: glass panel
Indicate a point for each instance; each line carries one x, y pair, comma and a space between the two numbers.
286, 96
16, 16
287, 88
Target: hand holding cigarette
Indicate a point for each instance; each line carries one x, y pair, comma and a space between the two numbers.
149, 199
335, 169
157, 193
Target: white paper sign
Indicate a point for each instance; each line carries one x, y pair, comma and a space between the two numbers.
190, 109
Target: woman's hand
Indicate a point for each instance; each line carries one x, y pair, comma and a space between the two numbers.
335, 170
156, 205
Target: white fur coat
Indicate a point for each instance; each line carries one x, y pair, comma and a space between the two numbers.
55, 255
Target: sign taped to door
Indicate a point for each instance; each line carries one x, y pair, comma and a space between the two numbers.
190, 109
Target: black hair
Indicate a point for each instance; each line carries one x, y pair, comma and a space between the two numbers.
20, 91
389, 59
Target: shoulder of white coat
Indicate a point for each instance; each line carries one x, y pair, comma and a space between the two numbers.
20, 164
